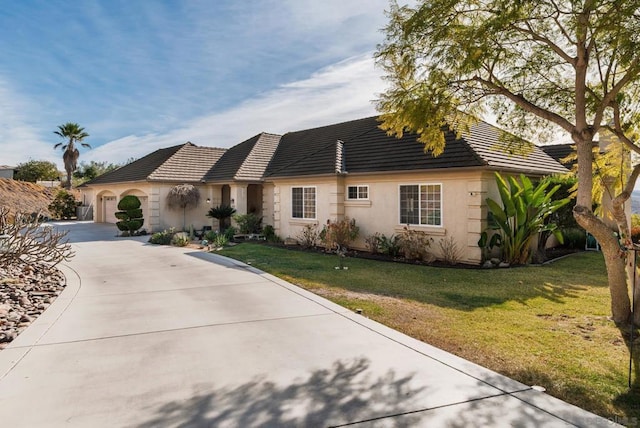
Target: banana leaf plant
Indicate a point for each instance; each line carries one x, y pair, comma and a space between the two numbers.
521, 216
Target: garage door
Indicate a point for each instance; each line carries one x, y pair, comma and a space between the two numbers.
110, 207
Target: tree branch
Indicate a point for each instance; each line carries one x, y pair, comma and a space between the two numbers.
527, 105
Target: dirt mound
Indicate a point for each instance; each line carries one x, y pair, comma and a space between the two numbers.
20, 196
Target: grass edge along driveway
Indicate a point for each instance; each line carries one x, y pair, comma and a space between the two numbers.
541, 325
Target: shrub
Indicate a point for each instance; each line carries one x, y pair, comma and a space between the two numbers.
229, 232
163, 238
576, 238
63, 205
373, 243
309, 235
522, 214
180, 240
248, 223
635, 234
210, 235
221, 240
390, 245
415, 244
339, 234
270, 234
451, 253
25, 241
130, 215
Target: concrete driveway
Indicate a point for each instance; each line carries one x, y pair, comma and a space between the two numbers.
154, 336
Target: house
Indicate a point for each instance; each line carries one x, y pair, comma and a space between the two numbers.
7, 171
355, 170
151, 178
351, 169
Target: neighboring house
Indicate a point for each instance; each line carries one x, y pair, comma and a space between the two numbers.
351, 169
151, 178
7, 171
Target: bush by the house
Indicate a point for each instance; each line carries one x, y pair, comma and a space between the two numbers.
390, 245
415, 245
162, 238
635, 234
230, 232
63, 205
451, 253
248, 223
309, 235
522, 213
373, 243
270, 234
130, 215
337, 235
220, 241
574, 238
180, 240
210, 235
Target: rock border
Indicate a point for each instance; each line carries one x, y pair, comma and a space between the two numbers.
26, 291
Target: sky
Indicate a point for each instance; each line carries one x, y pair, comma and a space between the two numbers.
142, 75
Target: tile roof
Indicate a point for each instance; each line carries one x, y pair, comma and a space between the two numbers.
313, 151
183, 163
559, 152
484, 139
245, 161
367, 148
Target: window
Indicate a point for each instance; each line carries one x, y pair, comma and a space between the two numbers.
357, 192
421, 204
303, 202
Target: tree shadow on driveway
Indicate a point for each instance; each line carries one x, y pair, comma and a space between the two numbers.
347, 392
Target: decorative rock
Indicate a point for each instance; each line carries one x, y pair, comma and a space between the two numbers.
487, 264
504, 265
25, 292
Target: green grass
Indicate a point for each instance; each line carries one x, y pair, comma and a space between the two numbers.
545, 325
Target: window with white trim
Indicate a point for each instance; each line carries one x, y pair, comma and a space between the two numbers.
421, 204
303, 202
355, 193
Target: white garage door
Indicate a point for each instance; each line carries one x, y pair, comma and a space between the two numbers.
110, 207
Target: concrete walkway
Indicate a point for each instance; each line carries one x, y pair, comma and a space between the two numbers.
154, 336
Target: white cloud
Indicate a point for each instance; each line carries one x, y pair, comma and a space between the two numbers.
340, 92
19, 136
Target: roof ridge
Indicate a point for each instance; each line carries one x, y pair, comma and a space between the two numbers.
257, 146
330, 125
284, 167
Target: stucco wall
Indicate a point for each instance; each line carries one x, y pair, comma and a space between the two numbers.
154, 195
463, 207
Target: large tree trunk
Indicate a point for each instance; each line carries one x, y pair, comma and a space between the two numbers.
614, 257
615, 261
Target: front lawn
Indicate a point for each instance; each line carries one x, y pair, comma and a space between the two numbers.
543, 326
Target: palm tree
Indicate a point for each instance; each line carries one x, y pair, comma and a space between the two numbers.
73, 133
